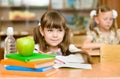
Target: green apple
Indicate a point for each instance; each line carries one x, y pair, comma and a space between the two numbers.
25, 46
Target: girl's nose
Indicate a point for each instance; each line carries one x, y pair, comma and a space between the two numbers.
108, 21
55, 34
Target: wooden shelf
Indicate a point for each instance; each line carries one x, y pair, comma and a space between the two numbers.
74, 10
15, 35
23, 7
4, 35
17, 20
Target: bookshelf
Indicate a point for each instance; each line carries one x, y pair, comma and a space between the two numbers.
76, 13
22, 16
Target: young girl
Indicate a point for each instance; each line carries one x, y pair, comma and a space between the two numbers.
103, 28
53, 37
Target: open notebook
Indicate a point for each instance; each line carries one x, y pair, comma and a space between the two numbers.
71, 61
73, 65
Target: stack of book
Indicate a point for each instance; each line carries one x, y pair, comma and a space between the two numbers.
35, 65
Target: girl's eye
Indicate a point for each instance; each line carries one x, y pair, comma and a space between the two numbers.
60, 30
111, 19
50, 30
105, 19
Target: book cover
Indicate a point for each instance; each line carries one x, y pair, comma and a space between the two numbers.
35, 64
20, 68
30, 74
34, 57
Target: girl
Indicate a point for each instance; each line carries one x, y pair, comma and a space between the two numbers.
53, 37
103, 28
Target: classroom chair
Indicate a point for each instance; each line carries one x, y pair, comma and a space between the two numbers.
110, 53
78, 40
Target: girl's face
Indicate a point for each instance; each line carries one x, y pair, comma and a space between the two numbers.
53, 36
105, 20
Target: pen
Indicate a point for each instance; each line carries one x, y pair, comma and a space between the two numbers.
39, 51
60, 61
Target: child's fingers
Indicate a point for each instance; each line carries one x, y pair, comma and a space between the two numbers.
48, 52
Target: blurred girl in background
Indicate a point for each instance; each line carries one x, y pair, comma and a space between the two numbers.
103, 28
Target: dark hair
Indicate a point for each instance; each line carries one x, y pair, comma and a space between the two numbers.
52, 19
103, 8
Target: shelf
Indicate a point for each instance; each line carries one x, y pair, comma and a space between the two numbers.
4, 35
73, 10
16, 33
23, 7
19, 20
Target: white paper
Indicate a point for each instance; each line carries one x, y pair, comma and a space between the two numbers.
77, 58
73, 65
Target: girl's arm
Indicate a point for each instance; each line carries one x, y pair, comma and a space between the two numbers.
88, 42
76, 51
37, 50
89, 45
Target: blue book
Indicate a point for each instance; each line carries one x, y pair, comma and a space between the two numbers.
20, 68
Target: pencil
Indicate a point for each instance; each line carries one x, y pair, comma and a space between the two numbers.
39, 51
60, 61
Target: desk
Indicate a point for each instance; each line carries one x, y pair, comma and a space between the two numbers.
95, 55
99, 70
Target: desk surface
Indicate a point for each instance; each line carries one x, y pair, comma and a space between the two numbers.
101, 70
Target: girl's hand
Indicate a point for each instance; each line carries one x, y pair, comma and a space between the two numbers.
48, 52
40, 51
45, 52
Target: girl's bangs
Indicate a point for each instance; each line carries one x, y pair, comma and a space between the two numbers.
55, 24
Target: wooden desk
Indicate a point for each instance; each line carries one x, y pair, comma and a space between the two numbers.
95, 55
99, 70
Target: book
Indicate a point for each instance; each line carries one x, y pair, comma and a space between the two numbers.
34, 57
71, 61
73, 65
30, 74
20, 68
74, 58
35, 64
